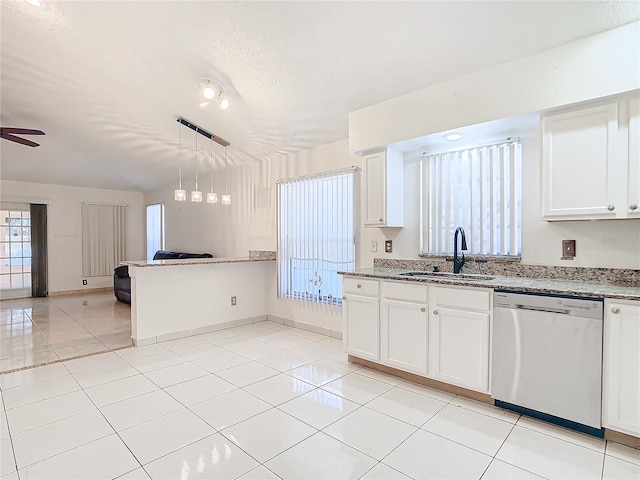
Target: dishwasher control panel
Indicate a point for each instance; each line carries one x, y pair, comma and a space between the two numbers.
575, 307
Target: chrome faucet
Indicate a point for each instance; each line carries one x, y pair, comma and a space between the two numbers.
458, 262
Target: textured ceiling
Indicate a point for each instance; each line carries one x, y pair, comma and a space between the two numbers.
107, 80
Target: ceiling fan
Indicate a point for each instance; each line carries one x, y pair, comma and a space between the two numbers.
9, 133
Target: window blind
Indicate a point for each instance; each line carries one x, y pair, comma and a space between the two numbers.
479, 189
316, 236
104, 233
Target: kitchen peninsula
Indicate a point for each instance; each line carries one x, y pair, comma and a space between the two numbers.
177, 298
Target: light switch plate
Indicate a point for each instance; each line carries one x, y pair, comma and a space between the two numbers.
374, 246
388, 246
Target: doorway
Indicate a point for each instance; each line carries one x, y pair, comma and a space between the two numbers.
15, 250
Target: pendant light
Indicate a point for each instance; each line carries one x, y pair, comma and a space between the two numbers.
180, 195
211, 196
226, 198
196, 195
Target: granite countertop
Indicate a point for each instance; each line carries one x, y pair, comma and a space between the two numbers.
520, 284
193, 261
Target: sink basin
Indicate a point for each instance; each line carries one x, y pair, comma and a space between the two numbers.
447, 275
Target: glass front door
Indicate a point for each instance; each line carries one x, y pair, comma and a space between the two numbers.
15, 250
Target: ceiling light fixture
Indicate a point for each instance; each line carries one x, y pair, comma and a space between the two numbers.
212, 91
196, 195
452, 137
179, 194
35, 3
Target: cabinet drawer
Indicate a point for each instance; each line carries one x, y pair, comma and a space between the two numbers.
360, 286
466, 298
405, 291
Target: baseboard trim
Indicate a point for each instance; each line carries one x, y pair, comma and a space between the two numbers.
237, 323
623, 438
84, 290
481, 397
306, 326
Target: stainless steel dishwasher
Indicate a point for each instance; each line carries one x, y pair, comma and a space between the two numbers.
547, 358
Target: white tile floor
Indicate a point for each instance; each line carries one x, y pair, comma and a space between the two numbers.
35, 331
267, 401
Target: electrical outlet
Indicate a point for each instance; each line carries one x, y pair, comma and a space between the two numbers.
84, 281
234, 301
388, 246
568, 249
374, 246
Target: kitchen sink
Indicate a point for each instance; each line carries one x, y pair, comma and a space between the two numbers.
447, 275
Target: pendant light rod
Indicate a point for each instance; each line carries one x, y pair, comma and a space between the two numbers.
202, 131
196, 162
180, 158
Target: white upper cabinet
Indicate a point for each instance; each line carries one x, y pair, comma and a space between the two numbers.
633, 195
383, 189
590, 163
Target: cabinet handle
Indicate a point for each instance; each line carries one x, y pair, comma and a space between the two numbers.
344, 298
380, 219
435, 312
359, 286
611, 208
633, 206
615, 310
423, 309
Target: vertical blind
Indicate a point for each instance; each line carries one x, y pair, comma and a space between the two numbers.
104, 233
479, 189
155, 229
316, 236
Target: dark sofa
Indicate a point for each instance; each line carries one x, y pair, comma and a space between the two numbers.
122, 280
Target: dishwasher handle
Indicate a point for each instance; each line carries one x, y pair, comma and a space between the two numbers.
560, 311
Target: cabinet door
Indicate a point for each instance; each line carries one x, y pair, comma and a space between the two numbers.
459, 347
374, 167
403, 335
578, 172
361, 326
634, 159
621, 369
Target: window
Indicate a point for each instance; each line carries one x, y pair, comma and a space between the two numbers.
104, 233
478, 189
155, 229
315, 236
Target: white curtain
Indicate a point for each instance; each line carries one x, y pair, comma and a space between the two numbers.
316, 236
104, 234
479, 189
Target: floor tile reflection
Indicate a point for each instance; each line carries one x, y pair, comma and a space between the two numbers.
37, 331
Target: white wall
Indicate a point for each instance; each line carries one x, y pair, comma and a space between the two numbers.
250, 223
586, 69
593, 67
64, 232
192, 298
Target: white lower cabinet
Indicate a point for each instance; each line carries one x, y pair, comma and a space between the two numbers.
434, 331
403, 335
361, 335
459, 337
621, 366
361, 318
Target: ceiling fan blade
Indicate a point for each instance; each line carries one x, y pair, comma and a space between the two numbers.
23, 141
21, 131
